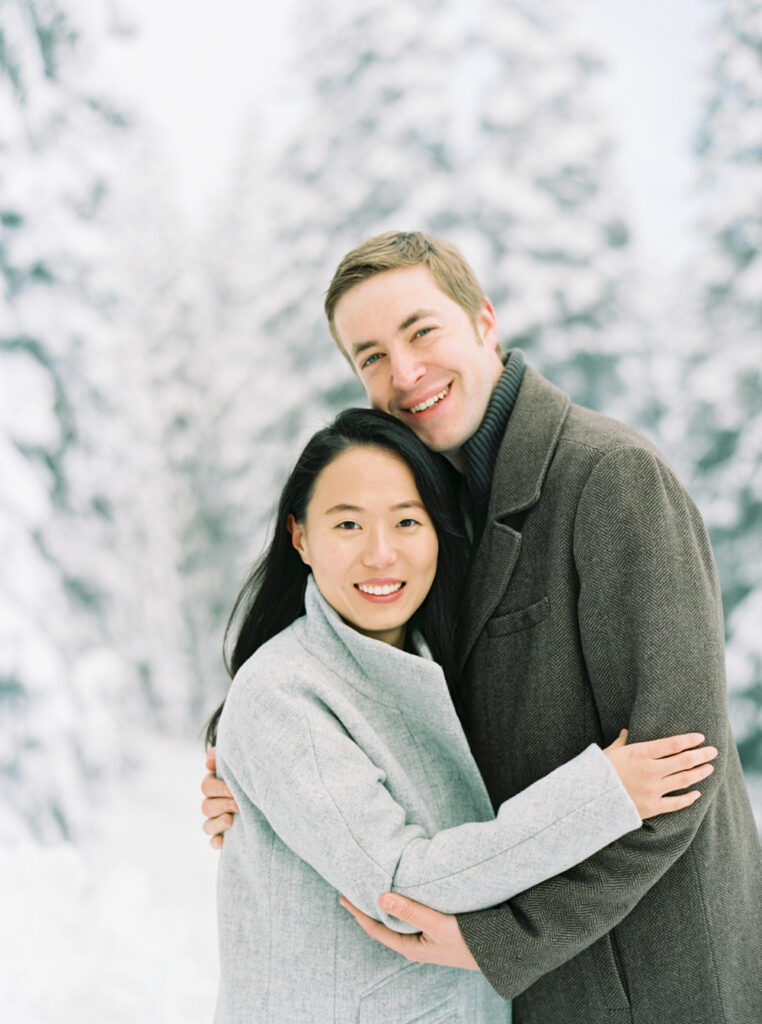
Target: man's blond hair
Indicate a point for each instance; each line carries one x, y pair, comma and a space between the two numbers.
397, 249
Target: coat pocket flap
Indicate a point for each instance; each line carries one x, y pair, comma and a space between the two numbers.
522, 618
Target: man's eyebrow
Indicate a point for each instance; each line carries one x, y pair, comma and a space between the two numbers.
361, 346
419, 314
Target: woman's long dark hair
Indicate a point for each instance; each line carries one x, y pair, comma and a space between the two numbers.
273, 595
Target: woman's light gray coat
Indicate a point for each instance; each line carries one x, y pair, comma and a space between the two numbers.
353, 775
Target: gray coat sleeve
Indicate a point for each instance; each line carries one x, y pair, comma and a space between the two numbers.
651, 629
327, 801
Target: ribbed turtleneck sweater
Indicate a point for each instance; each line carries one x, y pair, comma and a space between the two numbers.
480, 450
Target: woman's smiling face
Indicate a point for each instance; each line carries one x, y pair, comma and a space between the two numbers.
369, 541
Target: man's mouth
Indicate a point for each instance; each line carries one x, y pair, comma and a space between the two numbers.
379, 591
429, 402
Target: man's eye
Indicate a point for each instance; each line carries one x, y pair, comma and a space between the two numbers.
371, 360
422, 331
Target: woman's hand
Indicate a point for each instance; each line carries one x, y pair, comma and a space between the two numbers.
649, 771
219, 805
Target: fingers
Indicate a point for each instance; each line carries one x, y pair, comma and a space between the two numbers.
214, 807
219, 806
214, 787
439, 939
400, 907
439, 942
213, 826
423, 919
681, 780
687, 760
620, 741
405, 945
677, 803
677, 780
672, 744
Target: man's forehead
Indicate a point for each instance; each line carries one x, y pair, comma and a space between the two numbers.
401, 284
394, 299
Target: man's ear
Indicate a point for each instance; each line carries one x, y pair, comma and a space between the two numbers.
297, 537
486, 324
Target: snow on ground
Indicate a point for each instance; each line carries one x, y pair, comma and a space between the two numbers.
121, 930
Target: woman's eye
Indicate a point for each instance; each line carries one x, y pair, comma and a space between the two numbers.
348, 524
408, 522
423, 331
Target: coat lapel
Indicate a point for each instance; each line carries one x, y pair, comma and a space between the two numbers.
525, 454
488, 578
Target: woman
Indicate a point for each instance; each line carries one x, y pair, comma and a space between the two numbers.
340, 743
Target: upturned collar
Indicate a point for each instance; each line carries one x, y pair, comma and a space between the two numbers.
480, 450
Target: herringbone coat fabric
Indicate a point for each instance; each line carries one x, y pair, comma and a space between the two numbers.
593, 604
352, 774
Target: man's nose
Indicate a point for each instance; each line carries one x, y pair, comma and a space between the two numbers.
380, 551
407, 370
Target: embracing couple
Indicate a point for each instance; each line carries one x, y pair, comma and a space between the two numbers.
434, 664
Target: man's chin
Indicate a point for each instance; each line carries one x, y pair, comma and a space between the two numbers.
451, 448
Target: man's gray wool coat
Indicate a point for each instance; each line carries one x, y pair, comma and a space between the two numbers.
593, 604
353, 775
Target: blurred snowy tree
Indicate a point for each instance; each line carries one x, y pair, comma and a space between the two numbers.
77, 672
160, 347
723, 380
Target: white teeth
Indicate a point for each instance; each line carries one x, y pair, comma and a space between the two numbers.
379, 591
430, 401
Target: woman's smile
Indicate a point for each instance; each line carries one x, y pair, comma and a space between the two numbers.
382, 591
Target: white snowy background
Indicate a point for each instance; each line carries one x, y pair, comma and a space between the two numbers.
177, 182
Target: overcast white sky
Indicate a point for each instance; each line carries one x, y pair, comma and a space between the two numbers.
200, 65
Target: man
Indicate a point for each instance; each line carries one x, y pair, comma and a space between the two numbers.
592, 601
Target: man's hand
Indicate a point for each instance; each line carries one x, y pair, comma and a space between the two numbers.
439, 941
219, 806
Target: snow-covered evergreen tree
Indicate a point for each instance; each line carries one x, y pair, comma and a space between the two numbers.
157, 341
77, 672
723, 378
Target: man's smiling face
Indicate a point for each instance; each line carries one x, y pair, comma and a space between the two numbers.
418, 354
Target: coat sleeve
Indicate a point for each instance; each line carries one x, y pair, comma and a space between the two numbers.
322, 795
652, 638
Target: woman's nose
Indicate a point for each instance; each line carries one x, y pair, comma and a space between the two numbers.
380, 551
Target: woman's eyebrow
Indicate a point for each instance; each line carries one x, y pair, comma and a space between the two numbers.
343, 508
